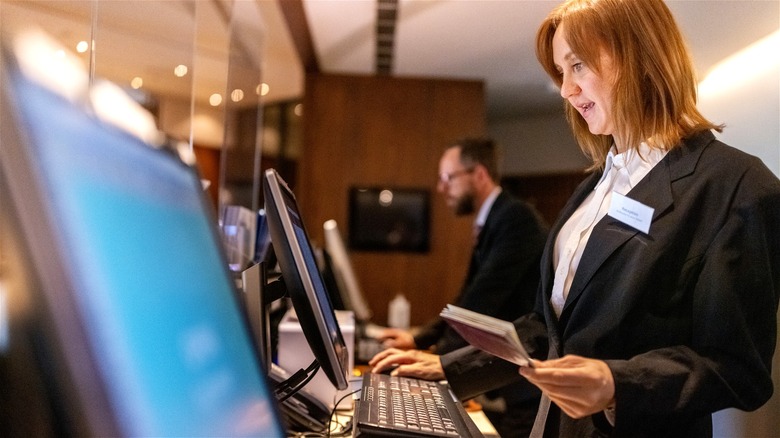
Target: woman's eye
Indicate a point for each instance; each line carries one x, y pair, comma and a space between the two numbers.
577, 67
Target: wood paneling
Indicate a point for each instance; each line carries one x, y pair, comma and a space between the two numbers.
547, 193
383, 131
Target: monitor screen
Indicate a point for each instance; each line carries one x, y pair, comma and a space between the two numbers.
341, 267
389, 219
303, 280
325, 264
140, 303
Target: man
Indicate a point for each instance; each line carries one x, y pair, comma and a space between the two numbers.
503, 275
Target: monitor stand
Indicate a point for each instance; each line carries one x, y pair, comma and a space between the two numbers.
302, 411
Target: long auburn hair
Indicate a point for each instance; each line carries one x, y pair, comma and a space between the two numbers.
655, 85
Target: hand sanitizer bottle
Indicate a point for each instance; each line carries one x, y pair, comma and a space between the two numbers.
398, 312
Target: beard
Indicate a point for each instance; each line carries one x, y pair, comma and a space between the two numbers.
465, 204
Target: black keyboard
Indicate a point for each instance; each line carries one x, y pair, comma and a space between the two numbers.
408, 407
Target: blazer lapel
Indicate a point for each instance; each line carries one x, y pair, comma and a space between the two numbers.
579, 195
547, 274
654, 191
491, 216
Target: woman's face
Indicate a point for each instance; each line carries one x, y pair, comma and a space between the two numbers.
587, 91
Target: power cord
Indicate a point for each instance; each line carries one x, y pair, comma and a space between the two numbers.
346, 429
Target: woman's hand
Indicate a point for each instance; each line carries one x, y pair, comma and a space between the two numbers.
409, 363
579, 386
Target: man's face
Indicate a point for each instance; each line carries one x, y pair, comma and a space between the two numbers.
456, 183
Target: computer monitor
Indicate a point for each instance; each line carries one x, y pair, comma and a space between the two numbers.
325, 265
303, 280
122, 288
341, 267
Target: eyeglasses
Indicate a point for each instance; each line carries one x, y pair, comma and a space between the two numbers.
446, 178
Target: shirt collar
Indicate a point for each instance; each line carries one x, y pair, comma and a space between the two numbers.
637, 162
486, 206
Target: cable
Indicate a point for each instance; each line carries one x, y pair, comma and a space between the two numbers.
294, 384
346, 428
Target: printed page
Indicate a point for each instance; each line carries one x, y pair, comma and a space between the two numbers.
493, 335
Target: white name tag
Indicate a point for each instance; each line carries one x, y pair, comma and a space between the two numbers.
630, 212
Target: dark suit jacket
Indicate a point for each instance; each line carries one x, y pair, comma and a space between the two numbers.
684, 316
503, 274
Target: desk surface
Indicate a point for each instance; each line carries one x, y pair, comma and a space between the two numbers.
342, 418
483, 423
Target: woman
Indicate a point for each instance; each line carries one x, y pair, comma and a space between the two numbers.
660, 280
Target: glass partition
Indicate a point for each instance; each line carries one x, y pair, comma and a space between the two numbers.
195, 65
147, 49
241, 153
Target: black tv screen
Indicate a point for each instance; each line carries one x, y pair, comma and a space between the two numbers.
389, 219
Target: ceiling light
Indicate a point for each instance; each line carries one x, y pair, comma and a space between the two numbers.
215, 99
82, 46
263, 89
180, 70
137, 82
298, 110
237, 95
43, 60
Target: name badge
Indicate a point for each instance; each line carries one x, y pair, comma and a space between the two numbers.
631, 212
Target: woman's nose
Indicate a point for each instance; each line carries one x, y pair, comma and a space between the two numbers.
568, 88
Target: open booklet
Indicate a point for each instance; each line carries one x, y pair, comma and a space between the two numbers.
493, 335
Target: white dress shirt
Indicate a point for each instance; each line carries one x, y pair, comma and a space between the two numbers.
484, 209
621, 173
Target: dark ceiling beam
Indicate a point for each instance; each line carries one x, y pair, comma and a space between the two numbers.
295, 16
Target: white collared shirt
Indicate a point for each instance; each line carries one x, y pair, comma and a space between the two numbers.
621, 173
484, 209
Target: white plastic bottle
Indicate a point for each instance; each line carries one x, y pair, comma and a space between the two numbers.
398, 312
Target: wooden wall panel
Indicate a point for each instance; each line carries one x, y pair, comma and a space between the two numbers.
547, 193
382, 131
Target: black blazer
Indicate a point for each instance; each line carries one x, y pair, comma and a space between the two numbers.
503, 274
684, 316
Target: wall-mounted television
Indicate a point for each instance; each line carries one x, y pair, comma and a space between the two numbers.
389, 219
